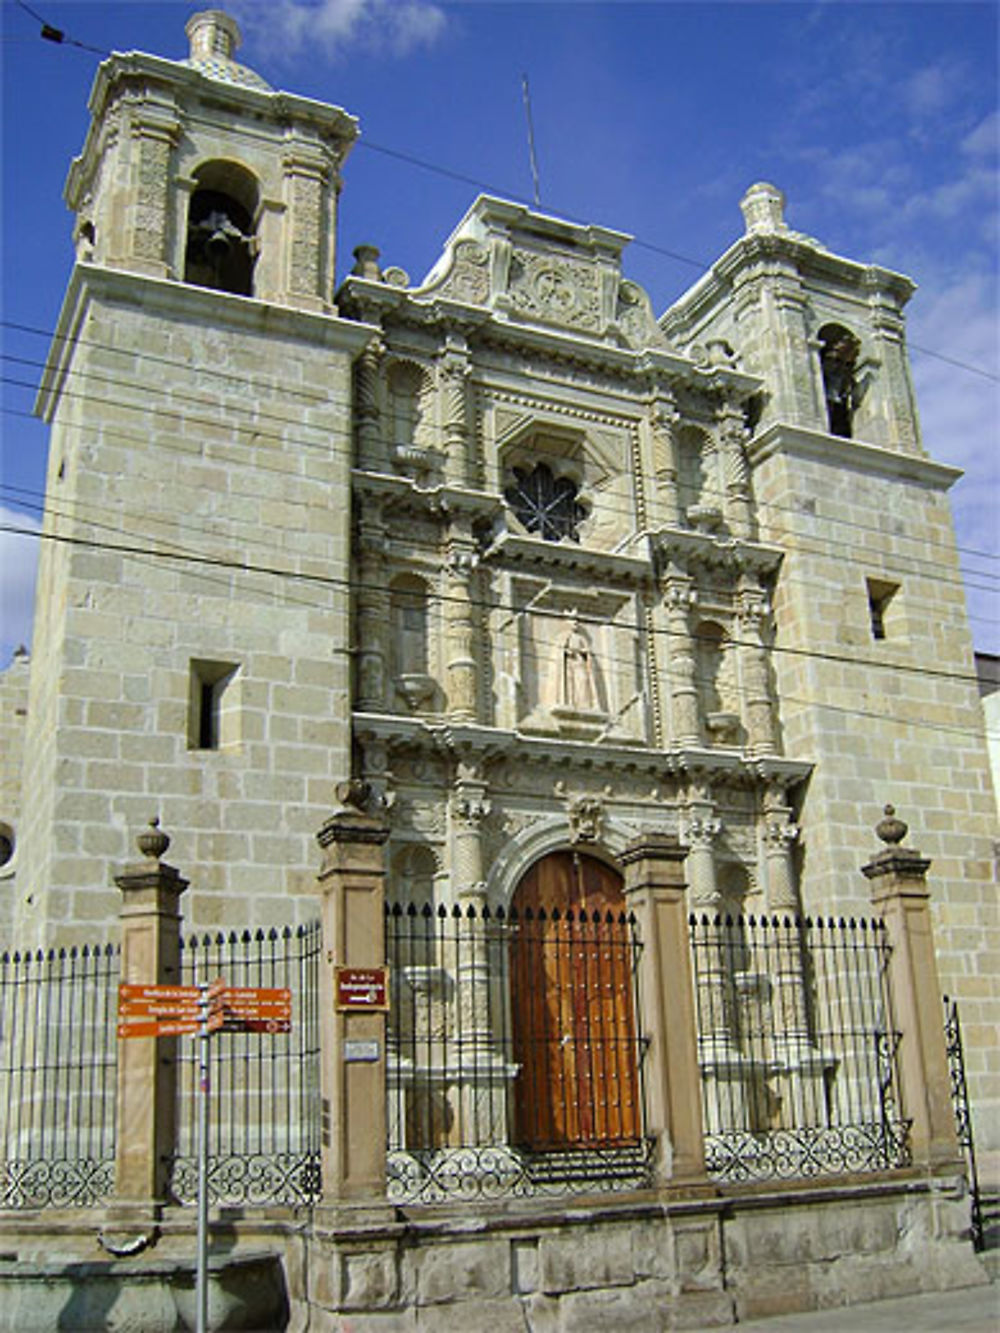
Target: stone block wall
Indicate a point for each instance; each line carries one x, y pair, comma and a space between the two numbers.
214, 458
893, 720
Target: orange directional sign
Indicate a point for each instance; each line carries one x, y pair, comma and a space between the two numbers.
159, 1028
169, 1011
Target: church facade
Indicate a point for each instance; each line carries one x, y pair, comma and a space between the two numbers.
542, 570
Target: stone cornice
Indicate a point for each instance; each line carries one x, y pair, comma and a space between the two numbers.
161, 296
491, 743
799, 255
696, 548
799, 442
436, 501
484, 329
510, 549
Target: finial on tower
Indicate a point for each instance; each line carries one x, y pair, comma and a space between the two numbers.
213, 34
763, 208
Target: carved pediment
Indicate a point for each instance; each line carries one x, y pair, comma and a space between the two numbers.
534, 269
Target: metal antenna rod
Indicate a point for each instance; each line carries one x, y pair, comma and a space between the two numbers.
531, 139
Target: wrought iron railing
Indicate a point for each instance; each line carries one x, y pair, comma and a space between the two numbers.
963, 1119
264, 1104
514, 1054
797, 1046
58, 1010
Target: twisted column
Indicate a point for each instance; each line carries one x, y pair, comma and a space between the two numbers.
679, 599
455, 424
753, 613
460, 627
736, 466
372, 613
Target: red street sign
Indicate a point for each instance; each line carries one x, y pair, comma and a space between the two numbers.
158, 1029
362, 988
223, 1022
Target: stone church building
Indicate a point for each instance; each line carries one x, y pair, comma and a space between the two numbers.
543, 569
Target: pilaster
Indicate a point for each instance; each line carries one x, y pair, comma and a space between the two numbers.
898, 882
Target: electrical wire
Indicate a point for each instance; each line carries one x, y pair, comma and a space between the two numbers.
257, 414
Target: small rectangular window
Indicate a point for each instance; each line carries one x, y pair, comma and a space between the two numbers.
880, 598
213, 711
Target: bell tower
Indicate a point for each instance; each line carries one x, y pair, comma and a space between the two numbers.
191, 645
197, 171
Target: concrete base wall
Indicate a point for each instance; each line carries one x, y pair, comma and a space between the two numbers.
568, 1266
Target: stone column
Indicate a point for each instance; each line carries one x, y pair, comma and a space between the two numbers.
469, 807
460, 626
753, 612
369, 445
454, 379
352, 1083
655, 893
679, 599
663, 422
736, 467
373, 610
147, 1072
701, 829
898, 883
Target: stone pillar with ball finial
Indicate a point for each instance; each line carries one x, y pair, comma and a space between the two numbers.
147, 1093
899, 894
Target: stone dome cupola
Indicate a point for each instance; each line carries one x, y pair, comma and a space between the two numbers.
214, 38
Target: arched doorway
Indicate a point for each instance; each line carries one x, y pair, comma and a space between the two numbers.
572, 1002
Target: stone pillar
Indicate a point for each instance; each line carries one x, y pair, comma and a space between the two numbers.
469, 807
702, 828
307, 230
679, 599
753, 613
154, 131
369, 445
898, 879
655, 891
790, 1008
663, 421
460, 627
373, 607
454, 378
736, 467
352, 878
147, 1071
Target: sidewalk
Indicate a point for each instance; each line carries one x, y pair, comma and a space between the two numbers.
969, 1309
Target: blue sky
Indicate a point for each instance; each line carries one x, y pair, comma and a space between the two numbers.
878, 121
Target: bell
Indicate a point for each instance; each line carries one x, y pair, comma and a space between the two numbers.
218, 245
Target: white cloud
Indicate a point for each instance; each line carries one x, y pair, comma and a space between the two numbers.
18, 563
288, 28
985, 138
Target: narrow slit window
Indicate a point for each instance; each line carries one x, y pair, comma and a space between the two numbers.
880, 598
213, 714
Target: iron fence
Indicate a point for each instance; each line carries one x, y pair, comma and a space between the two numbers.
797, 1046
963, 1119
264, 1106
514, 1053
58, 1059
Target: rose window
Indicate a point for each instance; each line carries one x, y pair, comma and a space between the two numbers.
547, 505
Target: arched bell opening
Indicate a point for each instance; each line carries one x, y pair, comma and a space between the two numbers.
221, 245
838, 356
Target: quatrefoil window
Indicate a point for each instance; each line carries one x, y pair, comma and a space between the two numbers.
547, 505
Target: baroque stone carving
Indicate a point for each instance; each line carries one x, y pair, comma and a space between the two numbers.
585, 815
555, 290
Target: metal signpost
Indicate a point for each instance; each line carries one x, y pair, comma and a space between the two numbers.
201, 1011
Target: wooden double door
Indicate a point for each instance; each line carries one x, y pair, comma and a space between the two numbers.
573, 959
